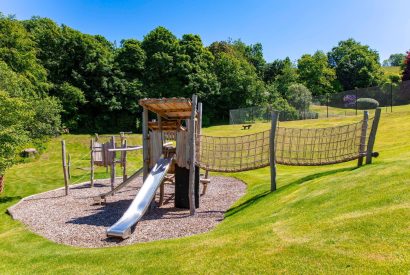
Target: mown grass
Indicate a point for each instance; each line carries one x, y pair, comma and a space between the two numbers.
329, 219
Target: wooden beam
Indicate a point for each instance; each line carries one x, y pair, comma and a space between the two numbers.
191, 191
125, 149
145, 152
63, 156
92, 162
112, 156
272, 147
372, 136
362, 146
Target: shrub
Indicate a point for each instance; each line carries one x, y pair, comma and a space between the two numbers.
367, 103
286, 112
299, 97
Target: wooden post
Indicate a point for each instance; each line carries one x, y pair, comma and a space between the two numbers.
112, 157
198, 149
362, 146
272, 147
191, 191
372, 136
145, 139
69, 166
63, 155
124, 161
92, 162
159, 121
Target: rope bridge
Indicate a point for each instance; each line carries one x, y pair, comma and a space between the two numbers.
293, 146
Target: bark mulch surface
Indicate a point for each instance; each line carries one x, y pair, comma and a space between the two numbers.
77, 221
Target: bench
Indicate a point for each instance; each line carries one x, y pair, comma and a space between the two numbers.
244, 127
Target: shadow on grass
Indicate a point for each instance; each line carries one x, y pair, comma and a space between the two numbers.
258, 197
7, 199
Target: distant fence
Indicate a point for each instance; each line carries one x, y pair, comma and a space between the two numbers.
346, 103
263, 114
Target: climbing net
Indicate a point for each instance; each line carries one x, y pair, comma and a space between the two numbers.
293, 146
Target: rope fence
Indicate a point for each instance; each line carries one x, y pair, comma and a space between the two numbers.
293, 146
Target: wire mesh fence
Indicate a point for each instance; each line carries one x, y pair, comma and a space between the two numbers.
346, 103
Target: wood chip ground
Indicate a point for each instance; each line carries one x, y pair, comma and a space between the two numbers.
77, 221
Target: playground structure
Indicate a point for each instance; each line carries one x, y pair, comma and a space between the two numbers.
103, 154
174, 150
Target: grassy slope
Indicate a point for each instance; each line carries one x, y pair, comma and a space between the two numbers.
392, 70
322, 219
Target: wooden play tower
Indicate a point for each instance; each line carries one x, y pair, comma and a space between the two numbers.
172, 132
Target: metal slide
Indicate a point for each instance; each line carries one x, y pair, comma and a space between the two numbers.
122, 228
100, 198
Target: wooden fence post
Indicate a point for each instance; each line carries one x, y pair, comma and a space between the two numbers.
112, 158
92, 162
124, 161
63, 155
69, 166
145, 137
362, 146
272, 147
191, 190
372, 136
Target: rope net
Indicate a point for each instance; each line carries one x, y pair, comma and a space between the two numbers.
293, 146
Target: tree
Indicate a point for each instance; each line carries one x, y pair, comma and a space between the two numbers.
406, 68
161, 48
299, 97
130, 59
286, 77
239, 83
195, 68
395, 59
356, 65
15, 114
315, 72
18, 51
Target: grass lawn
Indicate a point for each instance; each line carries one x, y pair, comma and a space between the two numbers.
329, 219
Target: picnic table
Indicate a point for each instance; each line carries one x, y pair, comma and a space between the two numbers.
248, 126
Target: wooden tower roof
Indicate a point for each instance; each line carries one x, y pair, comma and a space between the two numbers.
169, 108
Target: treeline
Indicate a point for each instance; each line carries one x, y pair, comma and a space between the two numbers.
93, 85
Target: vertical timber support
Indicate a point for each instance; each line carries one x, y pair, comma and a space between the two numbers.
272, 147
63, 155
191, 141
198, 148
92, 162
69, 166
145, 152
124, 161
372, 136
362, 146
112, 159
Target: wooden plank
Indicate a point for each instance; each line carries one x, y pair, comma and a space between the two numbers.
125, 149
272, 147
372, 136
192, 157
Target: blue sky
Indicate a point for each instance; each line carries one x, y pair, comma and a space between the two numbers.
285, 28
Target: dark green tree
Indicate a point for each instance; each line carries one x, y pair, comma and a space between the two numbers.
315, 72
356, 65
